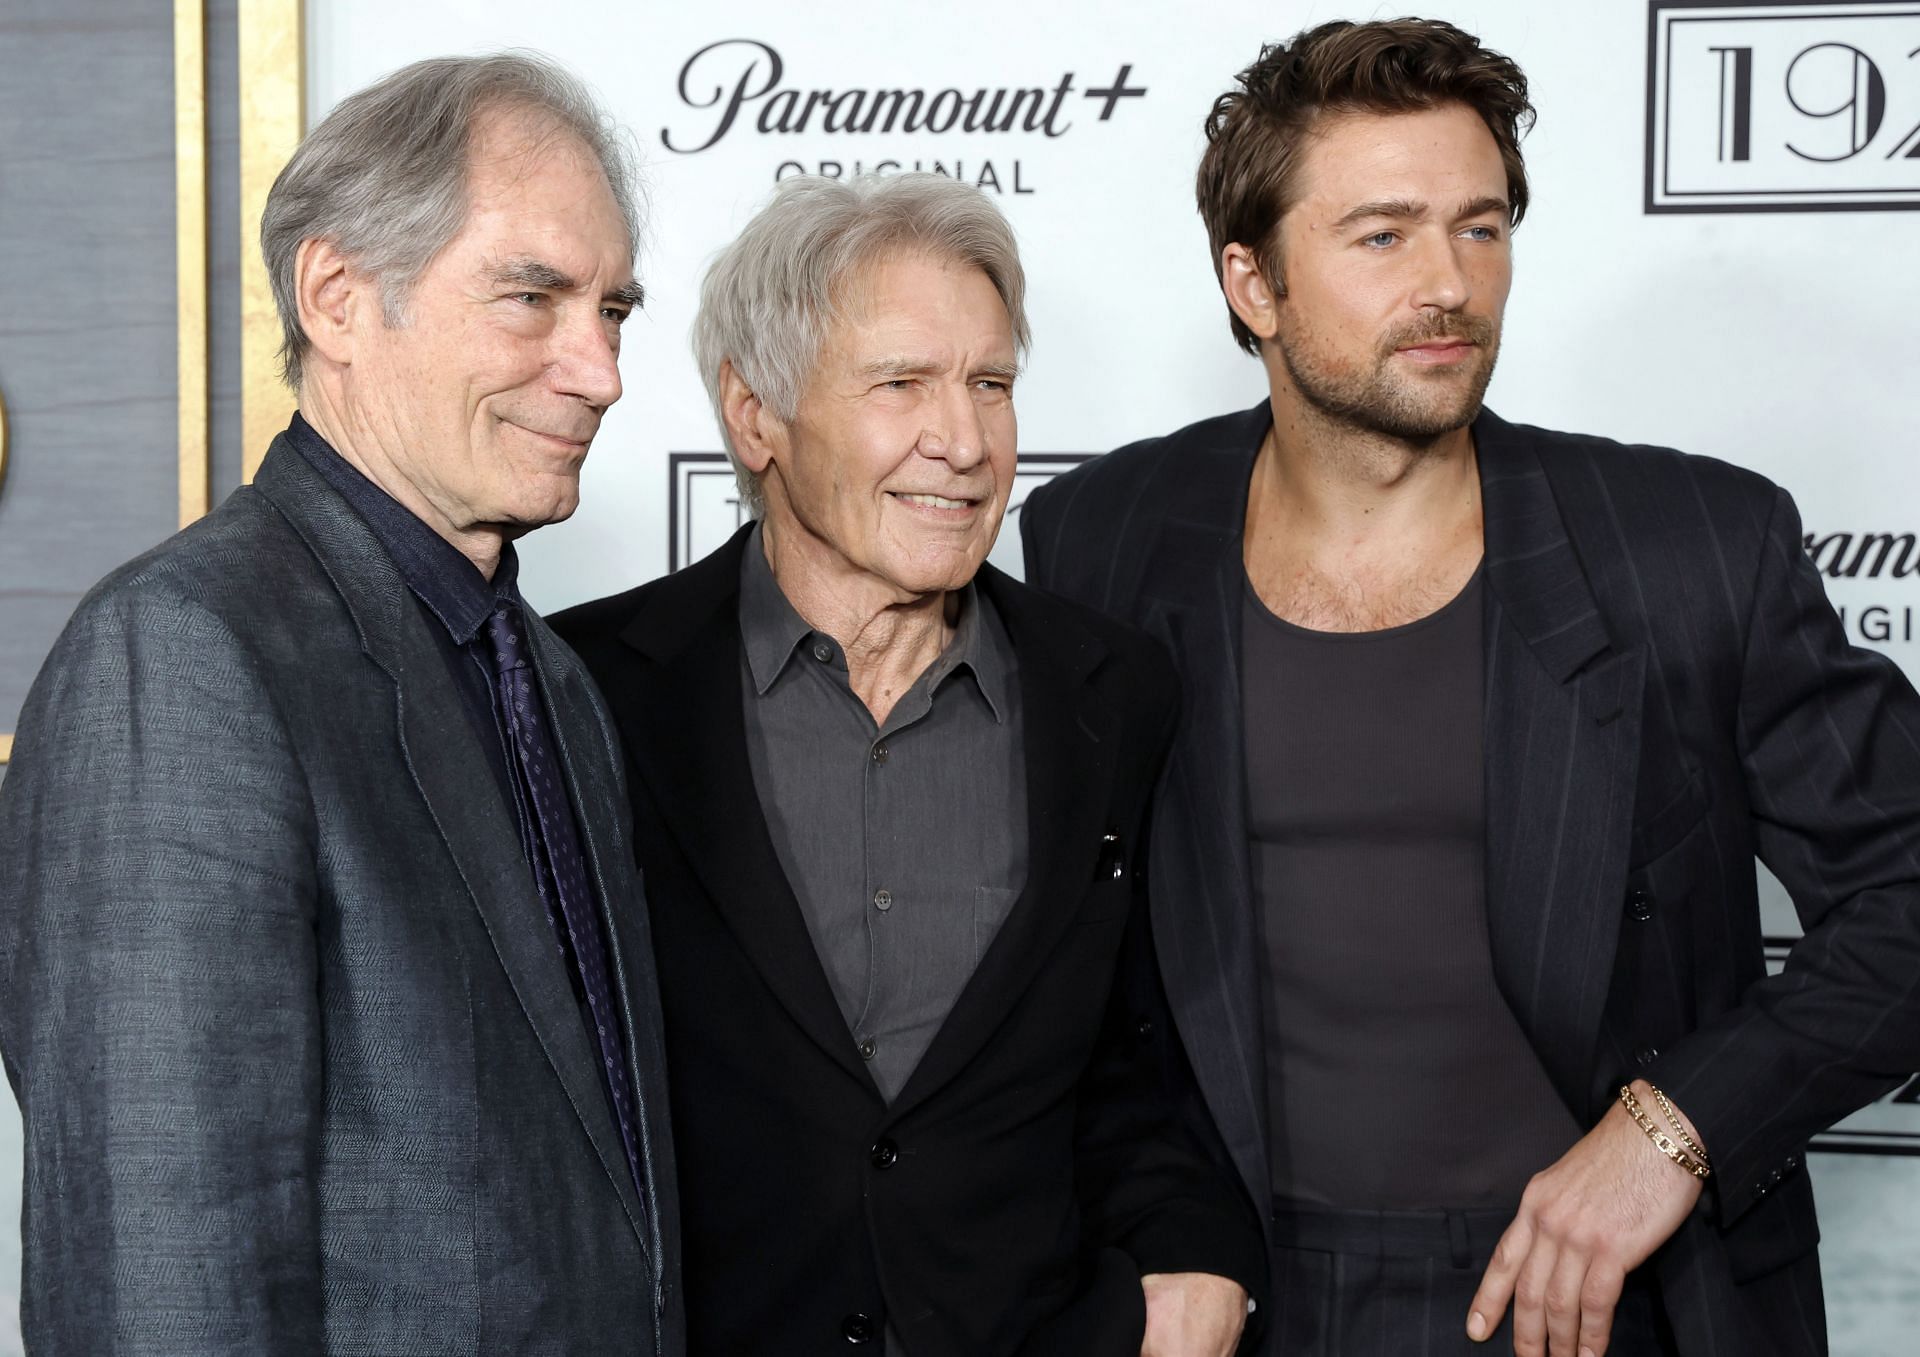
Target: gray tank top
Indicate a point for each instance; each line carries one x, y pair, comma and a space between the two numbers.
1397, 1077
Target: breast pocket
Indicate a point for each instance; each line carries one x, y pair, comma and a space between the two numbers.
1674, 815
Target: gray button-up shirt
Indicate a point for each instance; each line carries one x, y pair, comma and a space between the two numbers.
905, 843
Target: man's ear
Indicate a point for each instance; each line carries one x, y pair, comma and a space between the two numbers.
1252, 297
332, 299
750, 425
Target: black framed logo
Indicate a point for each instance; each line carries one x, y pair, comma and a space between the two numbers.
704, 507
1783, 106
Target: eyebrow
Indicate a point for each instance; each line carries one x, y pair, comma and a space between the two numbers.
917, 367
526, 271
1402, 209
899, 367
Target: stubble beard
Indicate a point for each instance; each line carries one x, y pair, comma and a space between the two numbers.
1412, 408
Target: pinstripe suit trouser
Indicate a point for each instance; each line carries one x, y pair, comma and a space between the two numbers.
1399, 1284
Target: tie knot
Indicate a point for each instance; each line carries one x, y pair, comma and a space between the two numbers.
508, 638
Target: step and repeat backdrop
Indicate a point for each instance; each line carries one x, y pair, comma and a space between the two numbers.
1718, 257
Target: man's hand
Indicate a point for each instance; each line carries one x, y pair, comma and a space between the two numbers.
1583, 1225
1192, 1314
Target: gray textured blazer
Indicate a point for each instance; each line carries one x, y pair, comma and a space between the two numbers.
299, 1061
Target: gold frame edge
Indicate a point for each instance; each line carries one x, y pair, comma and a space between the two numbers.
190, 223
272, 116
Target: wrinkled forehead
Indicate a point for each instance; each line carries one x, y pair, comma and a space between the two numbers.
867, 289
516, 151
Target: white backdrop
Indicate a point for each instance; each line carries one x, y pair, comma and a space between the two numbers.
1773, 339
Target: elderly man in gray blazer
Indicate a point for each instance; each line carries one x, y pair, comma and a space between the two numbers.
325, 977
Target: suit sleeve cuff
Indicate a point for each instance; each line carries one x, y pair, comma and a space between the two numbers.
1195, 1239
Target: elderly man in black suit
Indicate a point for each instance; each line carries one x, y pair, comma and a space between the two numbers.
1452, 861
888, 803
324, 974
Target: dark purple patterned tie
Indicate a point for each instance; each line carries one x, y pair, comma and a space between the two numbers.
559, 870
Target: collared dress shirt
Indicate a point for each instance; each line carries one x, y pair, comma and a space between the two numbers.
905, 841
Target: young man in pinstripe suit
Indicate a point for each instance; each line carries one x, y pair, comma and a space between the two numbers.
1452, 861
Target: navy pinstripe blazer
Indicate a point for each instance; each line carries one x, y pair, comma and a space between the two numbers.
1668, 696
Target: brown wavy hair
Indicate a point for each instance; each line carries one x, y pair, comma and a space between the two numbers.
1256, 131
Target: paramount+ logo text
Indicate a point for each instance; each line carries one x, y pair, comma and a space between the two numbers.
741, 86
1863, 571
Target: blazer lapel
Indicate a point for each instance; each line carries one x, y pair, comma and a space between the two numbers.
694, 759
1204, 930
1562, 735
1069, 736
452, 775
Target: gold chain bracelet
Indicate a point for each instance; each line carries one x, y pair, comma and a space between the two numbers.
1661, 1140
1673, 1120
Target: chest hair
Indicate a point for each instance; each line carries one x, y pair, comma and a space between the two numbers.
1355, 600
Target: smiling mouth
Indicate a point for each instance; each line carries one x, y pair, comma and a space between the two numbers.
580, 443
932, 501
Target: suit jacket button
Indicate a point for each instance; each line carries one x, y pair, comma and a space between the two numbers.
1639, 904
885, 1154
1645, 1055
858, 1328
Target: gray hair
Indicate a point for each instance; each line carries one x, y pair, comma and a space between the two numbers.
769, 297
384, 175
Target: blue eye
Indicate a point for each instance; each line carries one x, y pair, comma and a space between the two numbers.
1382, 239
1483, 232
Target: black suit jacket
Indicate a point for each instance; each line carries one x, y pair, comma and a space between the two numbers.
1668, 696
1011, 1196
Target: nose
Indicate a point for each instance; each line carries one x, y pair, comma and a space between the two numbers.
585, 360
954, 431
1440, 280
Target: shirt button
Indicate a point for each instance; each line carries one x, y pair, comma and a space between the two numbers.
879, 753
822, 651
866, 1048
857, 1328
885, 1154
883, 899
